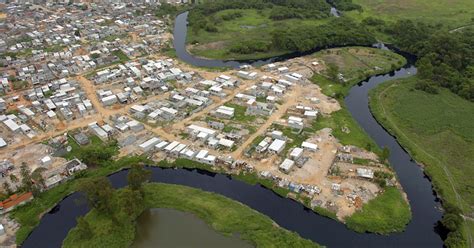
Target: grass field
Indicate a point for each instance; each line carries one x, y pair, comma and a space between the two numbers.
355, 64
437, 130
387, 213
253, 25
222, 214
454, 13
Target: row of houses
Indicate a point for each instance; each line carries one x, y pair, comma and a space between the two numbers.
177, 149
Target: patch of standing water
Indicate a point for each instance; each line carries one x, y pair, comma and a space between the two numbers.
172, 228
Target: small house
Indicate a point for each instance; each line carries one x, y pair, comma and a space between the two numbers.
277, 146
286, 165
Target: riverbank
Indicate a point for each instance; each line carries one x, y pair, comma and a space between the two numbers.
29, 215
388, 213
437, 131
222, 214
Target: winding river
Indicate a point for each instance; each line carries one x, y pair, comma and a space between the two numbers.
421, 231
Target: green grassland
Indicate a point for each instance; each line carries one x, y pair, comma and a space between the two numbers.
437, 130
454, 13
355, 64
254, 25
387, 213
222, 214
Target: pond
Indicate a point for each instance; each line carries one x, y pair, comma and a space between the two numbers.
168, 228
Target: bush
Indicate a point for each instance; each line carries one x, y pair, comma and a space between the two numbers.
280, 13
248, 47
372, 21
426, 87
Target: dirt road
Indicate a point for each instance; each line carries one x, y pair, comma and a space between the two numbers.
291, 99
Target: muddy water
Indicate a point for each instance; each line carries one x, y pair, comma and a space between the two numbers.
168, 228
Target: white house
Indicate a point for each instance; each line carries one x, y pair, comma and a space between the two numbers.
286, 165
224, 112
277, 146
309, 146
149, 144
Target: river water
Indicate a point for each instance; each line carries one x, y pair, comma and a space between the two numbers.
422, 231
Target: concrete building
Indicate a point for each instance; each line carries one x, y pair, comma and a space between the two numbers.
286, 165
277, 146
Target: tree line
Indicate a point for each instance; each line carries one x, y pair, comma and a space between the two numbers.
338, 32
445, 59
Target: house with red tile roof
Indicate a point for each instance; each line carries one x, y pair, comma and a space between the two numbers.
14, 201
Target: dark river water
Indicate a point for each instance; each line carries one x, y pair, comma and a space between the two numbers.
422, 231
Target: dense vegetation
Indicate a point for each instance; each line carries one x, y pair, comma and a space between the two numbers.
446, 59
387, 213
281, 9
437, 130
279, 26
338, 32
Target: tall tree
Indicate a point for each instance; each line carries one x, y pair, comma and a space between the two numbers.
137, 176
425, 68
37, 176
129, 204
99, 193
13, 178
25, 173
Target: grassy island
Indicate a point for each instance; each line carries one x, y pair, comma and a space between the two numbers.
222, 214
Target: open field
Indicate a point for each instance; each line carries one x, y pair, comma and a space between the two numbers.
222, 214
385, 214
355, 64
438, 132
451, 12
254, 25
